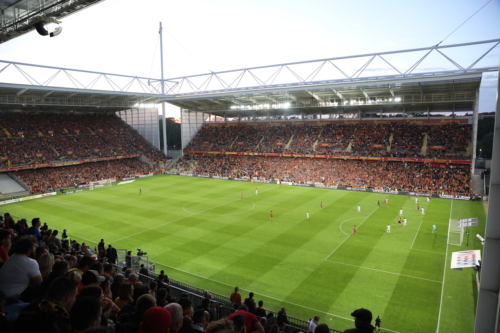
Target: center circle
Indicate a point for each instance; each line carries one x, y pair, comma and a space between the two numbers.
218, 206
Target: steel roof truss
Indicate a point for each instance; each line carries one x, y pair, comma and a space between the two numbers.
387, 62
259, 81
316, 71
450, 60
275, 75
418, 62
341, 71
481, 57
46, 83
73, 80
26, 75
363, 67
295, 74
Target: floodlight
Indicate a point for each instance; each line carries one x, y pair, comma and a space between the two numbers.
286, 105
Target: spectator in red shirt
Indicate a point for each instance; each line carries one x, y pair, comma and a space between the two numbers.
235, 298
252, 324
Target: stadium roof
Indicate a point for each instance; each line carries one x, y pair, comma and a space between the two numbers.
367, 83
18, 17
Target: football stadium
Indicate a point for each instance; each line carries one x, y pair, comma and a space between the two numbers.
342, 194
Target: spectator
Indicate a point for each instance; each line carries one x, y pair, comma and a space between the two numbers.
176, 314
21, 227
131, 321
85, 313
108, 272
34, 230
235, 298
187, 311
139, 290
59, 269
111, 254
124, 294
322, 328
21, 270
250, 303
45, 264
90, 278
282, 318
101, 245
83, 264
205, 306
133, 278
5, 244
260, 311
51, 314
115, 286
251, 322
362, 321
312, 324
54, 240
143, 270
161, 297
199, 320
156, 320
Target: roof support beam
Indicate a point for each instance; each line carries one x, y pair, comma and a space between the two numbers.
391, 91
292, 97
364, 93
22, 91
48, 93
338, 94
315, 96
272, 99
215, 101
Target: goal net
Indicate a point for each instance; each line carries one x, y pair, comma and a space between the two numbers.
456, 234
100, 183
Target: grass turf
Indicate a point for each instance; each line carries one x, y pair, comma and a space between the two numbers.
201, 232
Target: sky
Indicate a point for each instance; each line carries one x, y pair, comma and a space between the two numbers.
121, 36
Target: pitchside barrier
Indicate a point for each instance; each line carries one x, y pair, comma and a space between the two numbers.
222, 305
334, 187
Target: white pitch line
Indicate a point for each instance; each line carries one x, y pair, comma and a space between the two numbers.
350, 234
444, 271
59, 202
416, 234
264, 295
167, 223
435, 222
378, 270
340, 225
428, 251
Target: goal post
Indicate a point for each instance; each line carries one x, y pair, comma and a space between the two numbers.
456, 233
100, 183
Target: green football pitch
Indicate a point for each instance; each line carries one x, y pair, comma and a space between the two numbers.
203, 233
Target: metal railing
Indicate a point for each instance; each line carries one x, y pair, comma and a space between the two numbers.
222, 304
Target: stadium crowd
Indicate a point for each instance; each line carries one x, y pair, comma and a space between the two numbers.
47, 179
41, 138
354, 139
418, 177
51, 284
